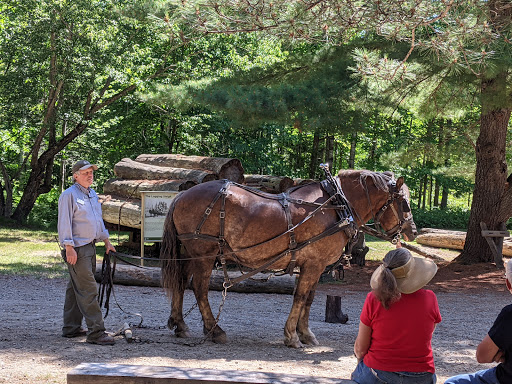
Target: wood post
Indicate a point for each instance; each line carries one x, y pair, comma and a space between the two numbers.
333, 312
496, 245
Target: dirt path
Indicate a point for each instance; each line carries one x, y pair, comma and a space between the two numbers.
32, 350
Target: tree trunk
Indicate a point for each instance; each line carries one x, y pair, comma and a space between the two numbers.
437, 190
314, 155
30, 193
329, 151
491, 171
352, 156
424, 191
420, 192
7, 201
444, 198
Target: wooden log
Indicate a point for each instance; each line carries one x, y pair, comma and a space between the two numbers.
299, 181
129, 169
109, 373
455, 240
130, 210
225, 168
132, 188
442, 240
436, 230
333, 312
270, 184
150, 277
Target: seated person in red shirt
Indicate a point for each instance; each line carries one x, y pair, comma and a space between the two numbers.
397, 322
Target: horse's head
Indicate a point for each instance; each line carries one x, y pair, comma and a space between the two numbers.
395, 216
382, 198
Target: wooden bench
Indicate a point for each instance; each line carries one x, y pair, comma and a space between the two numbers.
96, 373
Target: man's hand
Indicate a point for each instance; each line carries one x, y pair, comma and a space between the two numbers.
108, 246
71, 255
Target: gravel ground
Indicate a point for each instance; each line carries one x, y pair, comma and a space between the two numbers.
32, 350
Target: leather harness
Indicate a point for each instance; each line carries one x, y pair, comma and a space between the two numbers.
337, 201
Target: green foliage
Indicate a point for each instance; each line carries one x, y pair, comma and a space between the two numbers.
45, 212
451, 218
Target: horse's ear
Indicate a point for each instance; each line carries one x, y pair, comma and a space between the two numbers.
399, 183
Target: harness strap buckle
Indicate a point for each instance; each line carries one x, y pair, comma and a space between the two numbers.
208, 211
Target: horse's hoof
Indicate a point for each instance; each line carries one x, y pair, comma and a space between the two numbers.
220, 339
309, 340
295, 343
182, 334
218, 336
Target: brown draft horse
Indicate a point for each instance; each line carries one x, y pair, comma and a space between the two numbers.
255, 227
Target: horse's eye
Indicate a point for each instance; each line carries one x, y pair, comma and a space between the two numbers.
405, 206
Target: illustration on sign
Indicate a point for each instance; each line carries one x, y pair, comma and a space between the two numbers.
155, 207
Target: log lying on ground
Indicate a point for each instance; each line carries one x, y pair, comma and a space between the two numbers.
129, 169
130, 210
133, 188
225, 168
436, 230
150, 276
270, 184
453, 240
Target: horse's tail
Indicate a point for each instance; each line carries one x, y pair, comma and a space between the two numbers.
173, 268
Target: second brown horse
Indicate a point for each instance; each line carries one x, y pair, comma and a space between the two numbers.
253, 228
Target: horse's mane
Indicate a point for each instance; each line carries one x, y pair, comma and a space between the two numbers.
380, 179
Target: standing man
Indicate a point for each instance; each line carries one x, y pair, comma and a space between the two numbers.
80, 226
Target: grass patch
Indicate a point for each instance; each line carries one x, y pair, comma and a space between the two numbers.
378, 248
31, 252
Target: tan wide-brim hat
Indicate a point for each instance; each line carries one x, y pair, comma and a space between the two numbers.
411, 276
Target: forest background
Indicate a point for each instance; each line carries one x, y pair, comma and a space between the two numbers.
418, 88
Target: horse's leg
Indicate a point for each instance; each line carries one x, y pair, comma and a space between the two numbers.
309, 275
305, 335
176, 320
200, 281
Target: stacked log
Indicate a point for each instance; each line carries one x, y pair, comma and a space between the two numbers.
442, 238
133, 188
121, 210
230, 169
129, 169
121, 198
269, 184
299, 181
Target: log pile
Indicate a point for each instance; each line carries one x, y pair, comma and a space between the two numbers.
121, 198
269, 184
442, 238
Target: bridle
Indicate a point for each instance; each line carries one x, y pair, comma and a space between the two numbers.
394, 233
